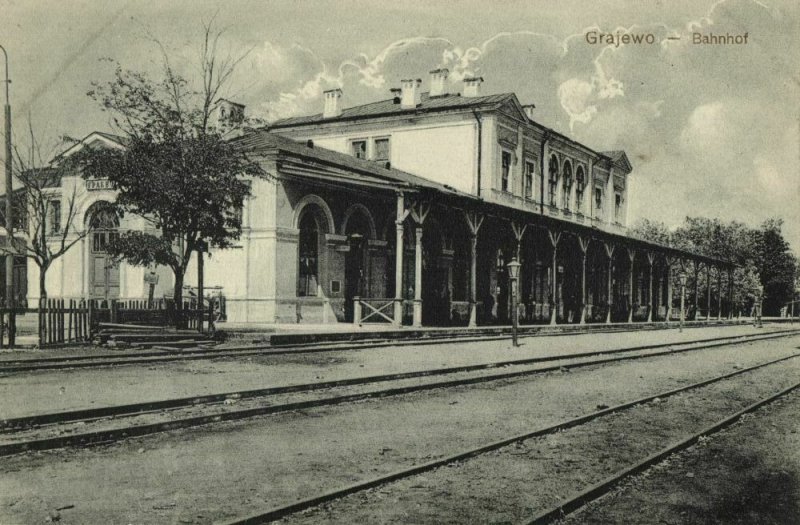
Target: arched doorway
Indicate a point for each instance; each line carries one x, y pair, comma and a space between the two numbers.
103, 225
308, 271
313, 221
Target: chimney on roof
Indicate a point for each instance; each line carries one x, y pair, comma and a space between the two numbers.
439, 82
410, 95
529, 110
333, 107
395, 95
472, 86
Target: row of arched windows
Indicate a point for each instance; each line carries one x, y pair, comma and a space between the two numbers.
567, 201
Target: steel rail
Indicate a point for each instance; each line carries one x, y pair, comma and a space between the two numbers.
597, 490
74, 362
313, 501
17, 424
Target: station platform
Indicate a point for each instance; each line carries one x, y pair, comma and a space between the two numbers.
304, 334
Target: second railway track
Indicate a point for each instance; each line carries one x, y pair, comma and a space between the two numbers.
338, 505
199, 353
405, 383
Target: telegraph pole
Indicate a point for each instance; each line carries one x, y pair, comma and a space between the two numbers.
9, 209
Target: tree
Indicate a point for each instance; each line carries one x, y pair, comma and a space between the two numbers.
653, 231
175, 171
761, 255
46, 219
776, 265
732, 241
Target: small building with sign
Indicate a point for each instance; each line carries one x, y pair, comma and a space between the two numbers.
86, 270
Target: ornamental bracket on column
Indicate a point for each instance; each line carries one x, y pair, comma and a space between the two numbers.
419, 211
518, 229
474, 221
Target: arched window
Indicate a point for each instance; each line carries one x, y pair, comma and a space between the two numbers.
308, 276
103, 223
580, 187
552, 183
567, 185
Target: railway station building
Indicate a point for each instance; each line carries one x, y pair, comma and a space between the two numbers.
408, 211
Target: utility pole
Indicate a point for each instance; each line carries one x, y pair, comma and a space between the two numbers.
9, 284
202, 246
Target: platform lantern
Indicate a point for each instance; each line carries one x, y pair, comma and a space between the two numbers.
513, 277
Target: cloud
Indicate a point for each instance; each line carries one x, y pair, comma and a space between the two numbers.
575, 95
705, 126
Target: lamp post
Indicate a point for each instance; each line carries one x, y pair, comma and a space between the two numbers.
202, 247
682, 278
513, 277
9, 284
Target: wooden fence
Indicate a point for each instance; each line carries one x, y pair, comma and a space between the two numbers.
59, 322
64, 321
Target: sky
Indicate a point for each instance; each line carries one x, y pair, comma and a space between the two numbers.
711, 130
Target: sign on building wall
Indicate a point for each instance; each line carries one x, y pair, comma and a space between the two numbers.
98, 185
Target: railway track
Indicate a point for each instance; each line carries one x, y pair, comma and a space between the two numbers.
573, 502
197, 353
178, 413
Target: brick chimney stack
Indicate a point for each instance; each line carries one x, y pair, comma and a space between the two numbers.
439, 82
472, 86
410, 95
333, 106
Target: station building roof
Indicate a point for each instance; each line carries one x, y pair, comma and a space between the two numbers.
345, 169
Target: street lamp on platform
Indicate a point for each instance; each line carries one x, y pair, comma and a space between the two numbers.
513, 277
682, 278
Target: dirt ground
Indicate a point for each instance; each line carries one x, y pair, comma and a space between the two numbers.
233, 469
746, 474
513, 484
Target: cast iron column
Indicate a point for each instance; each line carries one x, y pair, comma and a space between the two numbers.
398, 262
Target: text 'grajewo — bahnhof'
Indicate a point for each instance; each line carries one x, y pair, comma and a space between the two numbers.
622, 38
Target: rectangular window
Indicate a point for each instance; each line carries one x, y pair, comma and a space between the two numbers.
506, 168
530, 169
359, 149
598, 200
55, 216
382, 150
617, 205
